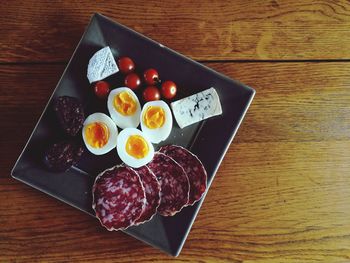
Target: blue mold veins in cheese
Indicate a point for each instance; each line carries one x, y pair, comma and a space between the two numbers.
197, 107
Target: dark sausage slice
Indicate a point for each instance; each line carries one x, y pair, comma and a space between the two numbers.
60, 156
174, 184
70, 114
152, 190
194, 168
118, 197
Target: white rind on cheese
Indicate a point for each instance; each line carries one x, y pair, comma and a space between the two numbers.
101, 65
197, 107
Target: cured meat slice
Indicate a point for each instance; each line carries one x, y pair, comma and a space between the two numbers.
174, 184
118, 197
60, 156
194, 168
152, 191
70, 114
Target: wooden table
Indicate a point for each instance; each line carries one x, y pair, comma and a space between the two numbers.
282, 193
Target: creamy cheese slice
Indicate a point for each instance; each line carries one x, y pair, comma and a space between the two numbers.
101, 65
197, 107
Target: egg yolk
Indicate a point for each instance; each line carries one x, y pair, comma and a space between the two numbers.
125, 103
154, 117
97, 134
136, 146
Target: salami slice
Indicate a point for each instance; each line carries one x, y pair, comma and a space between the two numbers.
194, 168
174, 184
118, 197
152, 191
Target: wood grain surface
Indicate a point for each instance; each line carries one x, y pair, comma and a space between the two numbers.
282, 192
203, 30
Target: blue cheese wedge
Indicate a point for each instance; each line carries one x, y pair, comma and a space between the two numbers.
101, 65
197, 107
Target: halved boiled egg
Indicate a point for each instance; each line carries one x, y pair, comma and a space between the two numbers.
99, 133
133, 148
124, 107
156, 120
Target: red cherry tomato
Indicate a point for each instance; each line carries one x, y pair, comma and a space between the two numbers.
132, 81
151, 76
151, 93
168, 89
101, 89
126, 65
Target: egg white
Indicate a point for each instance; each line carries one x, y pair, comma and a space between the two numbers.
124, 156
159, 134
113, 133
123, 121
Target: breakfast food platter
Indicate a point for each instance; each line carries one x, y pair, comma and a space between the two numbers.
134, 134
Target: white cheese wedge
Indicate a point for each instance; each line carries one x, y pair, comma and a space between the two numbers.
101, 65
197, 107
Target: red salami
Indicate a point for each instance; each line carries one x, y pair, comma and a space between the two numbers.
174, 184
194, 168
118, 197
152, 190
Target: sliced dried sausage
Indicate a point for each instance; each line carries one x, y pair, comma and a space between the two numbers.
118, 197
194, 168
60, 156
70, 114
152, 191
174, 184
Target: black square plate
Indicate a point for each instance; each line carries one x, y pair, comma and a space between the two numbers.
209, 139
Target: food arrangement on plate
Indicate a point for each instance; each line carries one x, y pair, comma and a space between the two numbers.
151, 179
123, 133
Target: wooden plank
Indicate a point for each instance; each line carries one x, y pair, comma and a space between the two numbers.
281, 200
220, 30
280, 194
294, 101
